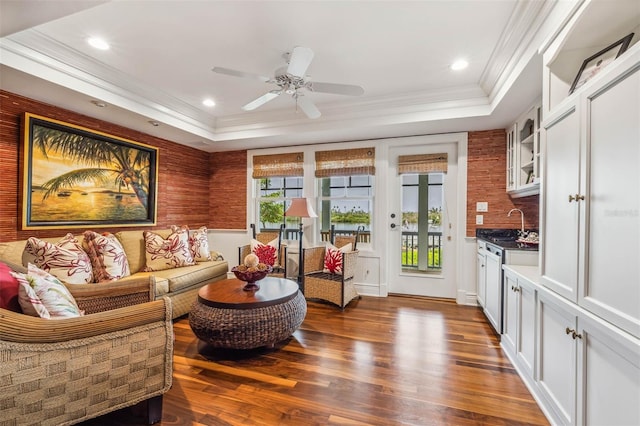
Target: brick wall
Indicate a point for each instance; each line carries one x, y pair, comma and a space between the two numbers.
183, 178
228, 183
486, 181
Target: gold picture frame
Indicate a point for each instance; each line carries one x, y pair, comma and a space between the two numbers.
75, 177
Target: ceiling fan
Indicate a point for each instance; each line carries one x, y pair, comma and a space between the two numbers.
291, 80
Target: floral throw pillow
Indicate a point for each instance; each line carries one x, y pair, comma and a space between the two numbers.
199, 245
42, 295
267, 253
172, 252
66, 259
108, 258
333, 258
198, 242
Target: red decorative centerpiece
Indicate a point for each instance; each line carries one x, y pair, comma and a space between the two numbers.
251, 272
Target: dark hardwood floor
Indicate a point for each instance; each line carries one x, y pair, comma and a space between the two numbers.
383, 361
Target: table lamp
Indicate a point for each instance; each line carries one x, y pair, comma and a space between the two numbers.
300, 207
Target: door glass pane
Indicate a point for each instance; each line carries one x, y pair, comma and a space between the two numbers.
422, 217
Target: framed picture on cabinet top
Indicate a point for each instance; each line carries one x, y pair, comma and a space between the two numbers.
597, 62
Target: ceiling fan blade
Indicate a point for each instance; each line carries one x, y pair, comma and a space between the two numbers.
236, 73
262, 100
299, 61
338, 89
308, 107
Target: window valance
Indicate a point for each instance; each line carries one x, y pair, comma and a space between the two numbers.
278, 165
346, 162
422, 163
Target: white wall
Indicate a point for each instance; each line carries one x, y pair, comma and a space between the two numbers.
372, 274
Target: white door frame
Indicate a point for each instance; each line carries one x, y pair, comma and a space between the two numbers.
458, 231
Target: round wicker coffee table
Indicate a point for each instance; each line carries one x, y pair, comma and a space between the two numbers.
225, 316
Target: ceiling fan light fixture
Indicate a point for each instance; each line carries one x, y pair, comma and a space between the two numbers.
459, 65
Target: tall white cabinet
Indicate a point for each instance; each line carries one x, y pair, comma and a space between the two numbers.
581, 357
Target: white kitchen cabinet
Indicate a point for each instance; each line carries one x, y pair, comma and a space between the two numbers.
512, 168
609, 375
510, 326
481, 278
518, 338
523, 154
589, 371
591, 224
561, 214
493, 293
557, 369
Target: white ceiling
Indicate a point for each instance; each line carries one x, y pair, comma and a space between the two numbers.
162, 52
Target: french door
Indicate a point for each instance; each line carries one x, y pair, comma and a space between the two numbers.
420, 232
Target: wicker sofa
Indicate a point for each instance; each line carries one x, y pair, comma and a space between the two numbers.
181, 284
64, 371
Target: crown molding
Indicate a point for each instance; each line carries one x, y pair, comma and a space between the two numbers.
514, 45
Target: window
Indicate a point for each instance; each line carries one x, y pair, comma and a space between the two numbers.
274, 197
422, 208
346, 202
277, 179
346, 191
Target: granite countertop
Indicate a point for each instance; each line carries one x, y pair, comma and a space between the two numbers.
505, 239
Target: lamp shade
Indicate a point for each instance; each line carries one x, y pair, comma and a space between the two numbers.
300, 207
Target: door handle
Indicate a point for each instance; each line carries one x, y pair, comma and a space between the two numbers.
576, 198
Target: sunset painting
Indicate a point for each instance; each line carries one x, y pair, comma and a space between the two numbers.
77, 177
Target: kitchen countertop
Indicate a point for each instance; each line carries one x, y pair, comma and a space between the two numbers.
504, 239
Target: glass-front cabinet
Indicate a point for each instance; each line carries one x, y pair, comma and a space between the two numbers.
523, 154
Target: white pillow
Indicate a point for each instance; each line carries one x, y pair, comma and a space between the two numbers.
172, 252
42, 294
267, 253
198, 242
66, 259
333, 258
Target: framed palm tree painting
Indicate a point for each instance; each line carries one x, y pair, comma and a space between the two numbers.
76, 177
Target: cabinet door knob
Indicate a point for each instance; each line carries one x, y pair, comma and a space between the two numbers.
576, 335
576, 197
569, 331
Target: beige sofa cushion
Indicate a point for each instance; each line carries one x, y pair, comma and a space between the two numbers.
133, 245
186, 276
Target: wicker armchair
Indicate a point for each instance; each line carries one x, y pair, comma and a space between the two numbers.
265, 237
64, 371
338, 289
340, 240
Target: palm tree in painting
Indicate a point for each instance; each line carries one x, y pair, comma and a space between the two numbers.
125, 166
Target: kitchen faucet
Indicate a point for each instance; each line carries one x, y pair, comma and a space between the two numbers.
522, 233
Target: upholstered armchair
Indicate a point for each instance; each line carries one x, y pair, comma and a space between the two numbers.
265, 237
335, 287
67, 370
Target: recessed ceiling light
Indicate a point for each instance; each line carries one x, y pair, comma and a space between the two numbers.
460, 64
209, 102
99, 104
154, 123
98, 43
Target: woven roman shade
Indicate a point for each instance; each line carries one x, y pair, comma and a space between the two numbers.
278, 165
422, 163
346, 162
